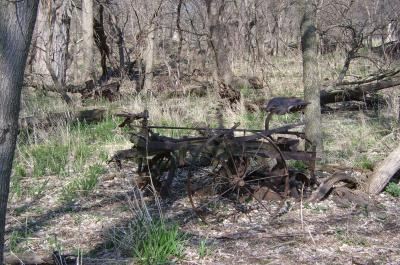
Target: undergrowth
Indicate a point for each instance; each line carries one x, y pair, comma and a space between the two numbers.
83, 185
393, 189
148, 239
156, 242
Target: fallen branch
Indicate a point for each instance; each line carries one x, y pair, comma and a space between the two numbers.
39, 259
384, 172
53, 119
325, 188
340, 93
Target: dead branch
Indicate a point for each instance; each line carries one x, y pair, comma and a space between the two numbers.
340, 93
384, 172
53, 119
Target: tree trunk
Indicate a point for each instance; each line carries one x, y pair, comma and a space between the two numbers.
384, 172
180, 38
119, 34
222, 69
57, 50
88, 40
101, 41
17, 20
310, 75
217, 43
149, 58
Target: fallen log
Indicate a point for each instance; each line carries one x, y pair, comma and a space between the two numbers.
39, 259
53, 119
108, 91
384, 172
325, 188
357, 92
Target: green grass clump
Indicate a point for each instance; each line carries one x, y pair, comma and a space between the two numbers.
351, 239
203, 249
299, 165
49, 158
253, 120
83, 185
393, 189
156, 242
18, 241
366, 163
82, 153
102, 132
19, 173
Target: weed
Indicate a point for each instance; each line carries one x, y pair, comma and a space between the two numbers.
351, 240
317, 208
103, 156
49, 158
37, 191
393, 189
16, 239
299, 165
151, 241
82, 153
366, 163
91, 178
203, 249
253, 120
84, 185
100, 132
156, 242
54, 244
19, 171
16, 190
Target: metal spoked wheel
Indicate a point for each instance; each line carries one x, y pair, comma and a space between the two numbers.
242, 176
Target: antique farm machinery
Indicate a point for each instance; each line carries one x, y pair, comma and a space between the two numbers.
239, 165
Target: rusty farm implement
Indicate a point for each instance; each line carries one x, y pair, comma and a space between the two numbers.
239, 165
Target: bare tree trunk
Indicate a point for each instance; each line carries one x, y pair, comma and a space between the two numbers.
149, 58
57, 50
310, 75
222, 69
101, 40
121, 46
88, 40
17, 20
180, 37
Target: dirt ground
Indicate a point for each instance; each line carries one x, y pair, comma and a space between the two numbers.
307, 233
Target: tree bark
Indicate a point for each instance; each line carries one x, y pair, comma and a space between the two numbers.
180, 38
149, 58
222, 69
17, 20
101, 40
57, 50
310, 75
384, 172
88, 40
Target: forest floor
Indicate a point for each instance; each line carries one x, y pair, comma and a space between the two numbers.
65, 196
309, 233
42, 219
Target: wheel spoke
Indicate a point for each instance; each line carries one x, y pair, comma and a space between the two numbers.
216, 199
258, 200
